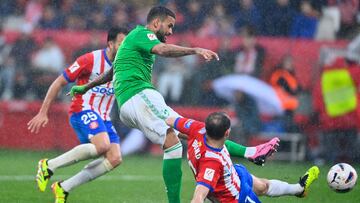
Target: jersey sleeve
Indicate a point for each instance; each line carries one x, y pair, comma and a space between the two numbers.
81, 65
146, 40
209, 174
188, 126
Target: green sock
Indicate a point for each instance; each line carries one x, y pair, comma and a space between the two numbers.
172, 172
235, 149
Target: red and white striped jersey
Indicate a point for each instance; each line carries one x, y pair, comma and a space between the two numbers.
86, 68
212, 167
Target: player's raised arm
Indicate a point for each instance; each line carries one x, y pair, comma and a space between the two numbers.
102, 79
170, 50
41, 119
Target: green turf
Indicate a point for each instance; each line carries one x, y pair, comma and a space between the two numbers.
139, 180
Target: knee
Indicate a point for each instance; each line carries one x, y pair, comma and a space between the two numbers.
261, 186
115, 160
102, 148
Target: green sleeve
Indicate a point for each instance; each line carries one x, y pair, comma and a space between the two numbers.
235, 149
146, 40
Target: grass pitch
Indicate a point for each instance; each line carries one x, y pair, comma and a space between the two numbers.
139, 179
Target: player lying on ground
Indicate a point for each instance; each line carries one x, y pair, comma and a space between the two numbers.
89, 117
216, 176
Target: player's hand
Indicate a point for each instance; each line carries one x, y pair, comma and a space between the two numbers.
40, 120
264, 151
208, 55
77, 89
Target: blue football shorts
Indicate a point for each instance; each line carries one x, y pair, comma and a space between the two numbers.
88, 123
247, 195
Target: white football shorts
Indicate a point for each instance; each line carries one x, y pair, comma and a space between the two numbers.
147, 112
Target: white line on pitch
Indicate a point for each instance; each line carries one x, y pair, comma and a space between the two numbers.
103, 178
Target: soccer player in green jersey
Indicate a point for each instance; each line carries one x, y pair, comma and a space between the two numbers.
144, 108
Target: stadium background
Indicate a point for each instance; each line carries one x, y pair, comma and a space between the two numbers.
282, 27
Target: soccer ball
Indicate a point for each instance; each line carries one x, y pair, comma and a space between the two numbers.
342, 177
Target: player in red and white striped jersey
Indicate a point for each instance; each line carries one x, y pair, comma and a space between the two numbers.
216, 176
89, 117
87, 67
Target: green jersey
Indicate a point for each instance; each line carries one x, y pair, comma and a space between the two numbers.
133, 64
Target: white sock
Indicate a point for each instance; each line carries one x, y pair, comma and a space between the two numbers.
134, 141
174, 152
91, 171
250, 151
78, 153
280, 188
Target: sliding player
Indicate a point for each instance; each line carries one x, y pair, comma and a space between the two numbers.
216, 176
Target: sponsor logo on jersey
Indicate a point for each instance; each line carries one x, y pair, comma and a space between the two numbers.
74, 67
103, 90
151, 36
196, 145
209, 174
188, 123
93, 125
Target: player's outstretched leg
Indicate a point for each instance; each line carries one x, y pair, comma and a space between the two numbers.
60, 194
307, 179
172, 167
277, 188
47, 167
43, 175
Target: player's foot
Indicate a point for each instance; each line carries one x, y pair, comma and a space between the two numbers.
43, 175
264, 151
307, 179
60, 194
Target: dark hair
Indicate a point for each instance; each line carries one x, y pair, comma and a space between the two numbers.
216, 124
114, 31
159, 11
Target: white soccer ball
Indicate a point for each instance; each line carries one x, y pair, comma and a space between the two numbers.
342, 177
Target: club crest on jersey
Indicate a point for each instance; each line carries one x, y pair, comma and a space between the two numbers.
94, 125
209, 174
188, 123
151, 36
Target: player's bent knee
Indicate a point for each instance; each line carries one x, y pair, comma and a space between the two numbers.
101, 142
114, 156
115, 160
102, 148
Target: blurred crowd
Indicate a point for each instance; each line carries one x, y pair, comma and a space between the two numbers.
28, 67
319, 19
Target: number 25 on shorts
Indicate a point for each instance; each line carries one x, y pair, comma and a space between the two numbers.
88, 117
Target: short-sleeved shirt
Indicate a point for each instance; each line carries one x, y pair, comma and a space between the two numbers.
212, 167
133, 64
86, 68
